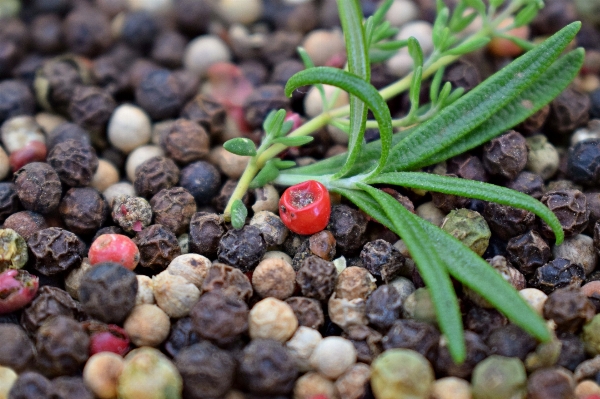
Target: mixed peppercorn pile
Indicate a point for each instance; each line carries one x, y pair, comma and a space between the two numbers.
120, 278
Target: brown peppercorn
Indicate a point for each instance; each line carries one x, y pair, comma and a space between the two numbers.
206, 112
220, 201
476, 352
74, 161
242, 248
569, 308
273, 231
483, 321
131, 213
62, 346
568, 111
384, 307
38, 187
274, 277
55, 250
570, 207
383, 260
185, 141
462, 74
15, 99
206, 230
572, 351
466, 166
449, 202
505, 156
31, 385
322, 244
308, 311
87, 31
348, 226
535, 122
366, 341
528, 183
347, 313
50, 302
554, 382
558, 273
173, 208
158, 246
354, 282
25, 223
159, 94
263, 100
507, 222
207, 371
83, 210
155, 174
528, 252
16, 349
266, 368
56, 81
168, 48
511, 341
182, 335
66, 387
316, 278
412, 334
107, 292
219, 318
228, 280
91, 108
46, 34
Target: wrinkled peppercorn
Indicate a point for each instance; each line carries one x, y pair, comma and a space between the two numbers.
16, 349
266, 368
416, 335
219, 318
568, 111
569, 308
155, 174
570, 207
484, 321
507, 222
55, 250
476, 352
366, 341
185, 141
583, 162
383, 260
511, 341
228, 280
87, 31
263, 100
15, 99
206, 230
158, 246
308, 311
74, 162
242, 248
506, 155
66, 131
202, 180
316, 278
182, 335
31, 385
83, 210
38, 187
348, 226
159, 94
91, 108
25, 223
558, 273
173, 208
9, 201
207, 371
384, 307
62, 346
528, 183
108, 291
50, 302
467, 167
208, 113
528, 252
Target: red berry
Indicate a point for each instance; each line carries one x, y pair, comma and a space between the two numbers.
107, 338
305, 207
17, 289
592, 396
320, 396
114, 248
34, 151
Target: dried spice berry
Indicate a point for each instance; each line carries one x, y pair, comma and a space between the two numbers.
305, 208
467, 167
55, 250
309, 312
159, 94
66, 387
242, 248
511, 341
401, 373
46, 34
206, 370
202, 180
220, 201
62, 346
263, 100
583, 162
155, 174
182, 335
9, 201
570, 309
131, 213
476, 352
74, 162
15, 99
316, 278
272, 318
384, 307
108, 291
570, 207
271, 227
174, 294
528, 252
38, 187
13, 250
228, 280
56, 81
366, 341
275, 278
206, 230
507, 222
158, 246
50, 302
208, 113
499, 377
506, 155
83, 210
173, 208
114, 248
168, 48
266, 368
348, 226
25, 223
345, 313
91, 107
572, 351
185, 141
470, 228
553, 382
16, 349
31, 384
568, 111
322, 244
66, 131
87, 31
416, 335
558, 273
528, 183
17, 289
383, 260
219, 318
147, 325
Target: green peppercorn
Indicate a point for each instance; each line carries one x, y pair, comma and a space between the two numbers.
470, 228
13, 250
591, 336
499, 377
419, 306
401, 373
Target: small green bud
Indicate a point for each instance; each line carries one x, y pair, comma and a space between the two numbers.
401, 373
499, 377
13, 250
470, 228
591, 336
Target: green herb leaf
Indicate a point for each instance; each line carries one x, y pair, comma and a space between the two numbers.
477, 5
460, 24
415, 51
496, 3
435, 85
440, 24
415, 90
393, 45
240, 146
473, 189
526, 15
468, 46
238, 214
281, 164
267, 174
293, 141
481, 103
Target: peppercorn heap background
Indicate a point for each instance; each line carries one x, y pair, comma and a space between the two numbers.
119, 277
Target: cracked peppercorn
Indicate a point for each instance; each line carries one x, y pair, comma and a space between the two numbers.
55, 250
309, 312
56, 81
158, 246
181, 336
348, 226
383, 260
173, 208
83, 210
558, 273
528, 252
228, 280
38, 187
568, 111
242, 248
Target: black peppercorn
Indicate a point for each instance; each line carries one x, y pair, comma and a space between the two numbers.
569, 308
535, 122
206, 370
108, 291
46, 34
91, 108
348, 226
158, 246
309, 312
583, 164
384, 307
506, 155
550, 383
366, 341
16, 349
67, 131
168, 49
55, 250
138, 30
154, 175
462, 74
507, 222
56, 81
242, 248
31, 385
15, 99
83, 210
50, 302
206, 112
159, 94
227, 280
266, 368
74, 162
206, 230
62, 346
316, 278
449, 202
185, 141
38, 187
383, 260
219, 318
25, 223
416, 335
528, 252
568, 111
528, 183
466, 166
572, 351
476, 352
9, 201
511, 341
202, 180
570, 207
558, 273
70, 388
87, 31
182, 335
173, 208
263, 100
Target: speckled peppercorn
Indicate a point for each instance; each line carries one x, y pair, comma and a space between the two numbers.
158, 246
271, 227
131, 213
470, 228
38, 187
206, 230
108, 291
382, 260
401, 373
62, 346
416, 335
348, 226
74, 162
173, 208
16, 349
175, 295
242, 248
505, 155
570, 207
13, 250
528, 251
185, 142
558, 273
569, 308
154, 175
55, 250
316, 278
83, 210
228, 280
50, 302
308, 311
219, 318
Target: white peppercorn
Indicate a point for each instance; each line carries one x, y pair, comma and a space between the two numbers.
17, 132
145, 293
274, 278
175, 295
542, 158
431, 213
401, 12
587, 388
535, 298
230, 164
354, 282
101, 374
267, 199
128, 128
302, 344
321, 45
278, 255
313, 384
192, 267
450, 388
73, 279
7, 379
333, 356
139, 156
346, 313
147, 325
579, 249
245, 12
352, 384
204, 51
4, 164
106, 175
118, 190
272, 319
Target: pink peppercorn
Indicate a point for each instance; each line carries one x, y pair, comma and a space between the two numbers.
107, 338
114, 248
17, 289
34, 151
